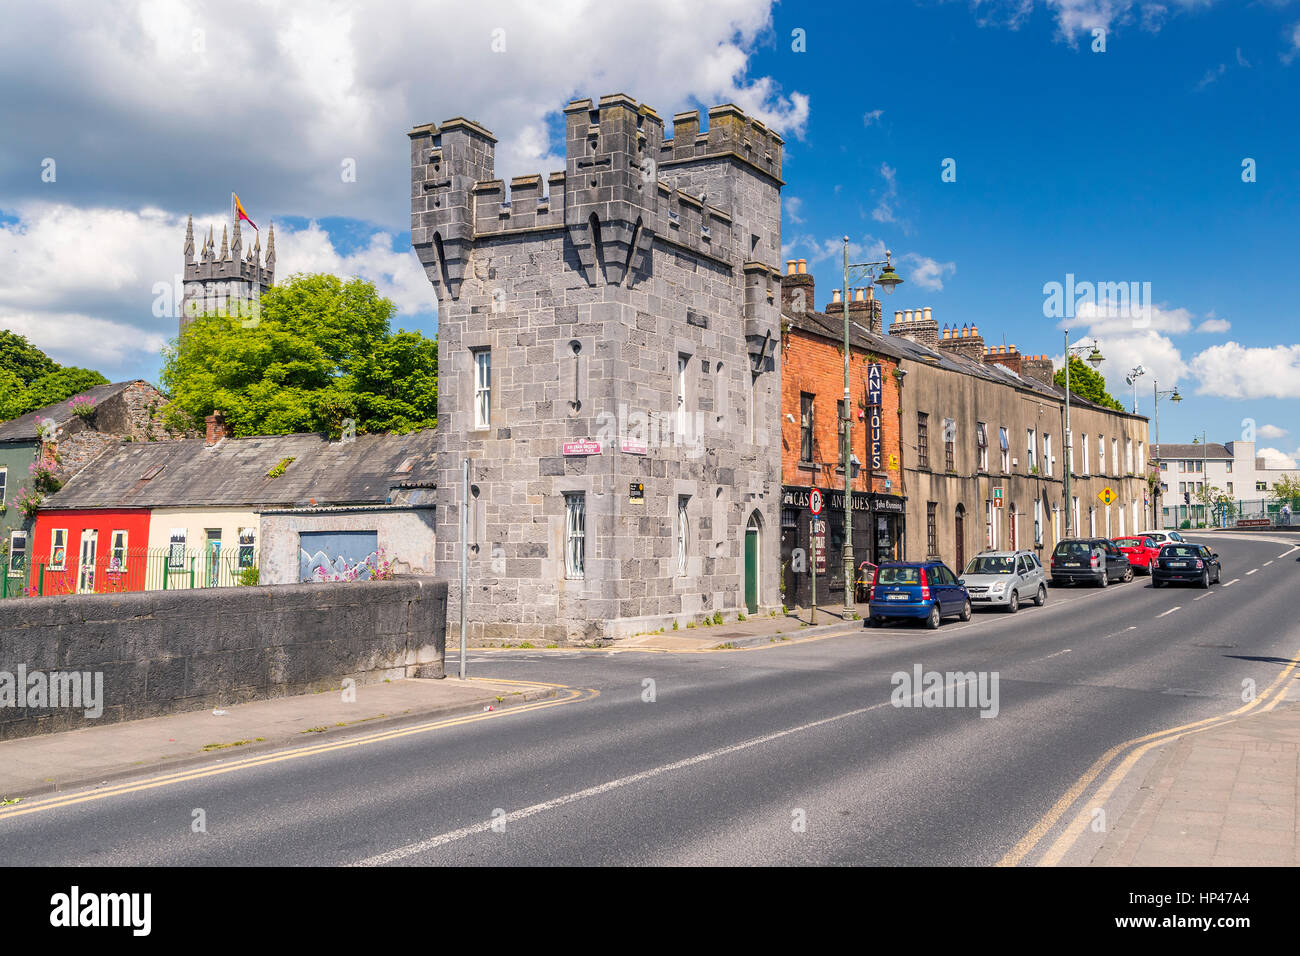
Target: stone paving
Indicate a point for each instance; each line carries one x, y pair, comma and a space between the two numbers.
1225, 797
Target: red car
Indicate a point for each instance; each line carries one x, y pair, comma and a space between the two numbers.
1141, 552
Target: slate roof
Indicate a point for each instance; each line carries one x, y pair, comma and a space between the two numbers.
233, 472
898, 347
1209, 450
23, 429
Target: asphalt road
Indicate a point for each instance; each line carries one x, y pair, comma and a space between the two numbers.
788, 754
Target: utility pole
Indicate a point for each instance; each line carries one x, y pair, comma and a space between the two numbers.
464, 559
883, 275
1094, 359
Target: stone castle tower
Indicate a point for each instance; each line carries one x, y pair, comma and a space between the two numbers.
225, 279
607, 363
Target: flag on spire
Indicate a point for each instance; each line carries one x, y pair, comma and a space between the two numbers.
239, 212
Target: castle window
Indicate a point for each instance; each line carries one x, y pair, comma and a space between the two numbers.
683, 371
247, 539
683, 533
176, 549
4, 481
482, 388
117, 552
575, 535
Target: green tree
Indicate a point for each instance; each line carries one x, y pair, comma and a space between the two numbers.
321, 352
1286, 488
1087, 383
51, 388
23, 359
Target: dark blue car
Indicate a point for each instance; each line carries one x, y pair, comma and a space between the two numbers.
925, 590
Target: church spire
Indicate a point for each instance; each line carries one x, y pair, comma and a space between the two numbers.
189, 241
237, 244
270, 246
225, 244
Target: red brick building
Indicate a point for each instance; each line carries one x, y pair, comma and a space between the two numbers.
812, 400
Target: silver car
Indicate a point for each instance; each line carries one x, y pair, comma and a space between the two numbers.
1005, 579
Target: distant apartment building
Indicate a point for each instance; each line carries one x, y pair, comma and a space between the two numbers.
1232, 468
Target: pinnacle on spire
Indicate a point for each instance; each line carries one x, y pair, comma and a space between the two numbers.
225, 244
270, 246
189, 241
237, 245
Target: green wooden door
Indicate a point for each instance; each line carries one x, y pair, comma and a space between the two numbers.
751, 569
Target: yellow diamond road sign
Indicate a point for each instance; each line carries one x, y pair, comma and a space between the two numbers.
1107, 496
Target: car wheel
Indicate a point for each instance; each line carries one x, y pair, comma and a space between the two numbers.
1156, 582
1128, 575
1013, 603
1041, 597
1105, 578
1218, 575
966, 610
932, 622
1205, 579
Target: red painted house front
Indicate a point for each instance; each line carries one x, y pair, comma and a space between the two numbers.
89, 551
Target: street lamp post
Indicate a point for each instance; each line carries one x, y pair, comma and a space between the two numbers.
1094, 359
1172, 395
1132, 379
883, 275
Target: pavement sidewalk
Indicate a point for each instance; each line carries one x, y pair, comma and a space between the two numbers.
46, 763
757, 630
1225, 797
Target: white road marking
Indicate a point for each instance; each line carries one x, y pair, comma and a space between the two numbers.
1208, 594
1170, 611
1251, 571
1267, 563
1232, 582
1289, 550
401, 853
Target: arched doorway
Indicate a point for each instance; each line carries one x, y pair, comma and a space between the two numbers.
959, 529
753, 549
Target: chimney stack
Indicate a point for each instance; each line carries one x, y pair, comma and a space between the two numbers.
216, 428
797, 288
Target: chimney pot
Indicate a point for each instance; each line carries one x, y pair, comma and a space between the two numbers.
803, 266
907, 315
835, 296
789, 267
927, 314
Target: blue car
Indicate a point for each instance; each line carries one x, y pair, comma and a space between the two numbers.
925, 590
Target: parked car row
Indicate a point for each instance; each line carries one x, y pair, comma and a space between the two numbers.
929, 591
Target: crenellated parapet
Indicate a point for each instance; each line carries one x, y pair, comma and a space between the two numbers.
623, 188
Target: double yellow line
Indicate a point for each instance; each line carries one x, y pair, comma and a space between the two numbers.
1136, 748
567, 695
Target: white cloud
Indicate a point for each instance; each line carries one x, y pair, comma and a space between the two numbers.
1294, 37
1274, 458
871, 117
884, 211
1211, 75
178, 102
1270, 431
80, 283
1241, 60
1232, 370
1214, 325
1125, 345
1076, 17
925, 272
793, 209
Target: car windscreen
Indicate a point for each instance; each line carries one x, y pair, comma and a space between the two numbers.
990, 564
899, 576
1074, 548
1128, 542
1180, 551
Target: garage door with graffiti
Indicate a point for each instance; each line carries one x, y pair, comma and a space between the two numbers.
339, 556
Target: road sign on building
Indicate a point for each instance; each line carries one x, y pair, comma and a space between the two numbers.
1107, 496
815, 501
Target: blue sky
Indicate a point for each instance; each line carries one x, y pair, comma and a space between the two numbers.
1115, 166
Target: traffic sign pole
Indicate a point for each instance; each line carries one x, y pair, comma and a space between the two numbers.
815, 510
